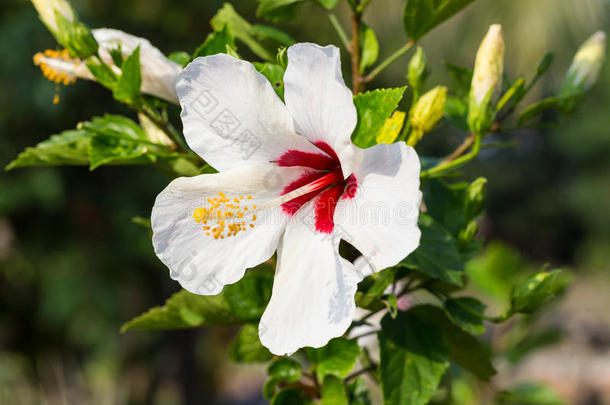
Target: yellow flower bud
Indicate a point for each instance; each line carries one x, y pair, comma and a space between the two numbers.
486, 80
427, 112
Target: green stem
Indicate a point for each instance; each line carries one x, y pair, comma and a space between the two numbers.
397, 54
444, 167
337, 26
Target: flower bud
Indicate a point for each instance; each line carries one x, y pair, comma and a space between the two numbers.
47, 9
426, 113
475, 198
585, 68
418, 70
486, 80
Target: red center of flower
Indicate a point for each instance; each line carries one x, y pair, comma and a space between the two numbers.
326, 169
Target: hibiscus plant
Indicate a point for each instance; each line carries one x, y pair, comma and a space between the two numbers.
299, 209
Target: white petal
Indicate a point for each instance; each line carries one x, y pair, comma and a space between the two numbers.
159, 74
199, 262
320, 103
313, 290
381, 219
232, 115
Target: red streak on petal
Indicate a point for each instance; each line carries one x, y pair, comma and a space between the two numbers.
306, 159
351, 186
325, 208
292, 206
328, 149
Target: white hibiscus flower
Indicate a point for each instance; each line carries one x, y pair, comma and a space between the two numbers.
289, 179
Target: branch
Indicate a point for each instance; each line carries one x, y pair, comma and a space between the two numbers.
357, 84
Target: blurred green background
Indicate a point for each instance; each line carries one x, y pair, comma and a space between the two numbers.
73, 267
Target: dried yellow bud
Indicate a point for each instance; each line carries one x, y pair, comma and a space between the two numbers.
426, 113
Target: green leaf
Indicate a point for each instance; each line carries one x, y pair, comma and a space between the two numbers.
467, 313
358, 392
437, 255
328, 4
374, 108
337, 358
68, 148
456, 112
531, 342
285, 370
278, 10
116, 139
538, 108
275, 74
537, 290
216, 42
269, 388
371, 289
333, 392
180, 57
247, 347
187, 310
370, 47
495, 270
460, 80
249, 34
128, 87
103, 74
290, 396
420, 16
413, 357
531, 394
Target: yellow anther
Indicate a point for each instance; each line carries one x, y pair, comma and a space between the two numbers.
228, 219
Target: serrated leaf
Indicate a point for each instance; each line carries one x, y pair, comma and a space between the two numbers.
216, 42
70, 148
530, 394
413, 357
210, 310
333, 392
337, 358
537, 290
128, 86
437, 255
266, 32
374, 108
370, 47
278, 10
116, 139
391, 127
247, 347
467, 313
420, 16
275, 74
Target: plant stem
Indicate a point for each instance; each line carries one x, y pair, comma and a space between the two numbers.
165, 126
365, 370
357, 84
446, 166
337, 26
397, 54
459, 151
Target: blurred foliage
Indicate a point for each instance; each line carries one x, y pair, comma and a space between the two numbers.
73, 266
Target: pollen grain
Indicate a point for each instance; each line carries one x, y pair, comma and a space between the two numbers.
229, 216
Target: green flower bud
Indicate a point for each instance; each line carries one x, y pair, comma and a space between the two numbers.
418, 70
486, 80
584, 71
467, 234
475, 198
